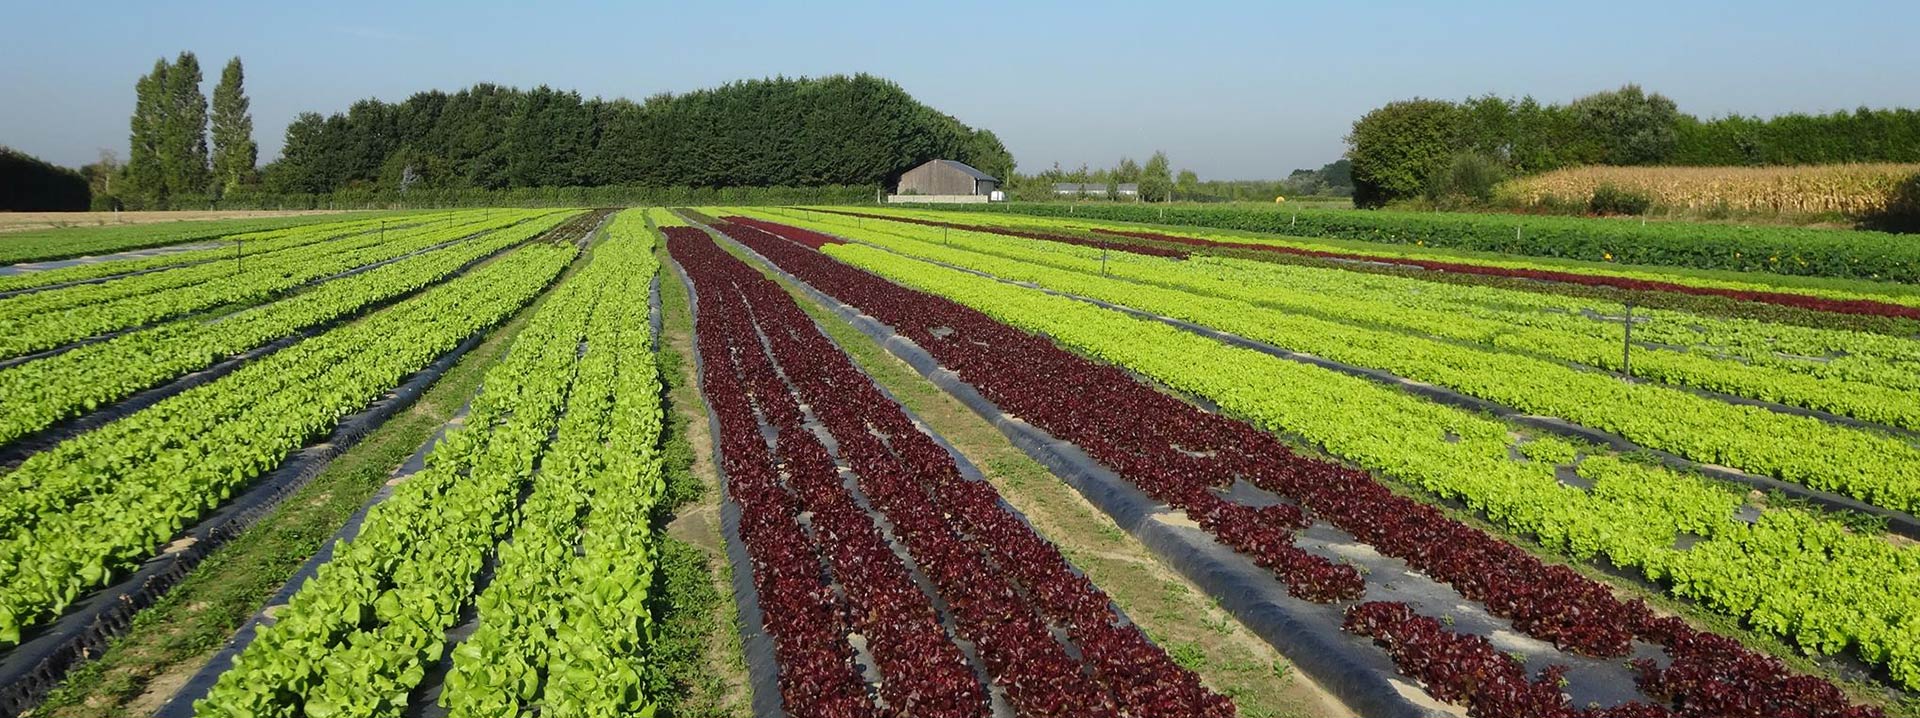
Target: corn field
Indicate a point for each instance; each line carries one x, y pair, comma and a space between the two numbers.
1848, 189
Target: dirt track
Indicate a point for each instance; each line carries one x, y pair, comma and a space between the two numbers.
21, 221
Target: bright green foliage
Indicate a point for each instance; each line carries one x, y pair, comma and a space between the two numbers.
256, 242
183, 129
51, 318
1395, 149
36, 394
234, 152
1868, 465
1794, 573
64, 242
1156, 179
1867, 376
1779, 250
146, 173
564, 626
662, 217
77, 513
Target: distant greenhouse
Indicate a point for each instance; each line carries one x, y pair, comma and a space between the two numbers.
1094, 189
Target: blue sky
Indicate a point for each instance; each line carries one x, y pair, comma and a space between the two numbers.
1228, 89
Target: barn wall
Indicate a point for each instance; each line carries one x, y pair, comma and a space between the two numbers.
937, 199
936, 179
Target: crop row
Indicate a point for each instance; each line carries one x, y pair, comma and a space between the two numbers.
1868, 465
1170, 448
806, 619
1550, 602
1790, 299
569, 419
1704, 679
254, 242
923, 670
1374, 259
79, 512
44, 320
60, 243
1130, 248
977, 556
36, 394
1778, 250
1779, 573
1576, 329
566, 608
1179, 464
1590, 328
59, 298
1893, 307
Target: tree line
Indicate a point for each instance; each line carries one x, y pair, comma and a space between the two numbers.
856, 130
168, 153
1436, 148
29, 184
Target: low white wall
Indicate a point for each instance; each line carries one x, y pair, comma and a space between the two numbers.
937, 198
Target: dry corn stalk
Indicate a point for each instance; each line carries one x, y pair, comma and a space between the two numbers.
1850, 189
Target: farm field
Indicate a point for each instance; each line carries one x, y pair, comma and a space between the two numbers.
886, 461
20, 221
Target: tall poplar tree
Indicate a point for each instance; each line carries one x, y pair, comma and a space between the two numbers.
183, 138
234, 152
145, 177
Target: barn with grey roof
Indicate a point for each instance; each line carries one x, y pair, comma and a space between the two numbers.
947, 177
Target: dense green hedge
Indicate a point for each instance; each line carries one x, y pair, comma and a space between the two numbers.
1780, 250
1863, 135
608, 196
29, 184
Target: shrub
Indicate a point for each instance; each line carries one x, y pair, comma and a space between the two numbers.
1470, 176
1610, 199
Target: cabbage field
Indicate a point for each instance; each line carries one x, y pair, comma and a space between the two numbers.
820, 461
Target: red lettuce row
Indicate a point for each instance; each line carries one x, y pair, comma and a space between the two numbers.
1174, 461
818, 678
807, 237
917, 485
962, 538
1025, 234
1467, 669
1173, 450
1041, 677
1789, 299
1709, 677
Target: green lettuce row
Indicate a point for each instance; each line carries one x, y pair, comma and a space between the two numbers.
662, 217
255, 243
1791, 572
39, 393
221, 284
1867, 465
1790, 252
51, 481
1832, 354
60, 243
357, 638
564, 621
103, 501
1588, 332
600, 667
21, 306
